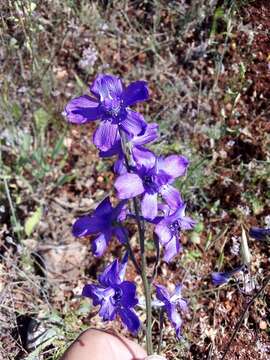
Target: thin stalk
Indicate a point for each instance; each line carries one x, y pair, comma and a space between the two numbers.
133, 259
146, 282
147, 288
157, 260
161, 322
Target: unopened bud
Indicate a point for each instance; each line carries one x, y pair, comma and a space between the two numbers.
246, 256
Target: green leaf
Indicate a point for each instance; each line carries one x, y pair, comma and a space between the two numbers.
79, 82
32, 221
219, 14
41, 119
195, 237
55, 318
194, 255
84, 308
59, 146
16, 111
65, 179
32, 6
199, 227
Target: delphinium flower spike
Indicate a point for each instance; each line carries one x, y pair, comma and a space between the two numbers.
142, 175
115, 295
110, 103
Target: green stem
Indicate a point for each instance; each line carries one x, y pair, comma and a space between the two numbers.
147, 294
133, 259
154, 274
143, 272
161, 322
146, 282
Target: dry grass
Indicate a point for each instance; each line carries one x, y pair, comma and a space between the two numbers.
199, 60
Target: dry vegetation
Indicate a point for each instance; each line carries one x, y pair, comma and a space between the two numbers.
208, 67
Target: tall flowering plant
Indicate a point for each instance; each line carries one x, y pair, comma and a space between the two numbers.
144, 187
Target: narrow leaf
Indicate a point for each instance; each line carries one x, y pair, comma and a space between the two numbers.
32, 221
246, 256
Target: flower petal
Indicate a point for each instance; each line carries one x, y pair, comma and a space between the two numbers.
104, 208
135, 92
120, 211
220, 278
119, 166
123, 266
177, 294
128, 298
171, 196
110, 276
259, 233
172, 248
177, 299
106, 135
82, 110
149, 206
94, 292
175, 318
100, 244
165, 209
107, 310
107, 86
182, 304
186, 223
86, 225
151, 134
162, 294
143, 157
134, 123
116, 149
130, 319
128, 185
121, 233
163, 232
173, 165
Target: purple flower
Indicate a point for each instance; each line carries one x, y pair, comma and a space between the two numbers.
168, 230
110, 103
172, 303
259, 233
115, 296
135, 144
152, 176
220, 278
105, 220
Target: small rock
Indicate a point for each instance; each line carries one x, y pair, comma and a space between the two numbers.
263, 325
